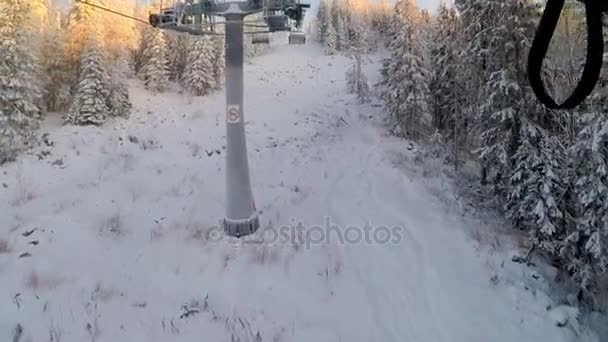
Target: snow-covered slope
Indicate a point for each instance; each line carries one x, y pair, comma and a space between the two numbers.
113, 235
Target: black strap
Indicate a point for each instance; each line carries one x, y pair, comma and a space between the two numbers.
594, 59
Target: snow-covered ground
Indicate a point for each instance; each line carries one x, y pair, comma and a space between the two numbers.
110, 235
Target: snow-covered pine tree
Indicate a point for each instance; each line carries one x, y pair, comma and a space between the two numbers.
341, 21
155, 68
338, 23
584, 249
219, 60
178, 44
199, 77
343, 36
356, 79
90, 104
445, 63
56, 77
19, 115
79, 31
536, 185
476, 18
323, 20
329, 34
141, 54
505, 86
445, 86
118, 101
330, 40
407, 95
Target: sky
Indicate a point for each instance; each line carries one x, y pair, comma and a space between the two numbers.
428, 4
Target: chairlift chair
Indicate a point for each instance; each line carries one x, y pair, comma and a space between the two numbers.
297, 37
260, 38
277, 22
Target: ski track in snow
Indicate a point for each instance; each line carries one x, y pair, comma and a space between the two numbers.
122, 249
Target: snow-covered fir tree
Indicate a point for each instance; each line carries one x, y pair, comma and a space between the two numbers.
178, 44
339, 24
199, 76
504, 96
444, 87
19, 115
476, 17
118, 101
141, 54
219, 60
407, 94
536, 186
55, 73
343, 35
356, 79
79, 31
330, 40
323, 20
90, 104
585, 248
155, 67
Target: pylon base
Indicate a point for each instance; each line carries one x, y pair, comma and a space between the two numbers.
240, 228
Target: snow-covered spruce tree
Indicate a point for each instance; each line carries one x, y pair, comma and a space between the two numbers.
477, 35
178, 44
199, 77
141, 54
505, 86
341, 24
338, 23
79, 31
356, 79
536, 186
329, 37
118, 101
90, 104
219, 60
56, 76
445, 89
407, 95
584, 249
155, 68
380, 17
19, 116
330, 40
344, 33
323, 20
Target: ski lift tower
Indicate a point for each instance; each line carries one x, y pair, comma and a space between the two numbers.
241, 215
194, 17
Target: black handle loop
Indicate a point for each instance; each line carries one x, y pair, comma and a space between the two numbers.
594, 58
